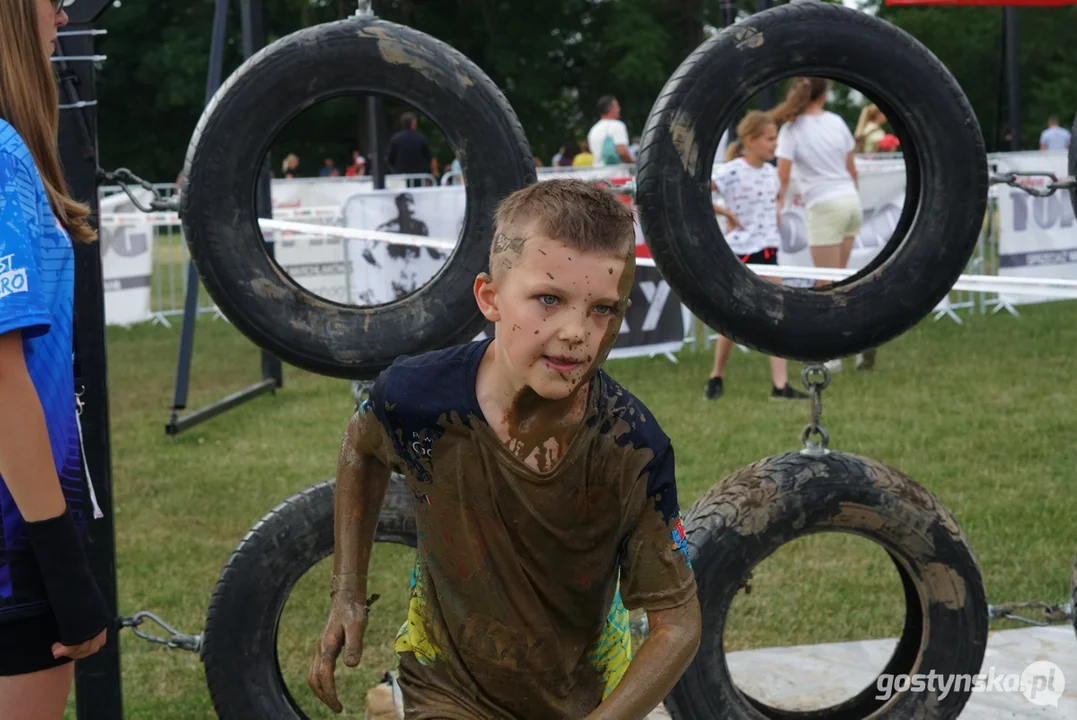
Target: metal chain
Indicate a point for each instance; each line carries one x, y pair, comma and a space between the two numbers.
816, 379
361, 391
176, 639
124, 177
1051, 613
1010, 178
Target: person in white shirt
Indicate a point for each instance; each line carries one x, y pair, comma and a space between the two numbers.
816, 147
748, 184
608, 138
1054, 137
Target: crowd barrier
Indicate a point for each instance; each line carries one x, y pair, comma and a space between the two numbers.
361, 256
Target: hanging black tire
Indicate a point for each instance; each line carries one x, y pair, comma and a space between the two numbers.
946, 181
749, 515
239, 647
217, 197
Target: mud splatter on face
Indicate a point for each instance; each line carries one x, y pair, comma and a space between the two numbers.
541, 429
506, 250
504, 243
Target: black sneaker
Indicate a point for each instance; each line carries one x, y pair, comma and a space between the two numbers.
787, 393
714, 389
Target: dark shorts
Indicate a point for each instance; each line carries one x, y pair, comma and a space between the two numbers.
26, 645
766, 256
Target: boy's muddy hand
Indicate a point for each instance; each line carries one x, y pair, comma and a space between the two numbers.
343, 631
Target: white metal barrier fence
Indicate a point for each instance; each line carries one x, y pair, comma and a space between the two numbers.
170, 255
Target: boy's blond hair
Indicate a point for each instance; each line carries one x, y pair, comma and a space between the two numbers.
586, 217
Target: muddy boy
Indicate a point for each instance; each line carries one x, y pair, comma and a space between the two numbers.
546, 503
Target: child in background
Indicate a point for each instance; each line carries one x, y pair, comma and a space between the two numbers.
749, 185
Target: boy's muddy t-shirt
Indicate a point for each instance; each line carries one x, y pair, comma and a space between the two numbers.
514, 609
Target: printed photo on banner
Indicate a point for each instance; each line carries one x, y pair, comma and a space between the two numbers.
384, 271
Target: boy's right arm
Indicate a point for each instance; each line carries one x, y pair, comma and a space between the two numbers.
362, 481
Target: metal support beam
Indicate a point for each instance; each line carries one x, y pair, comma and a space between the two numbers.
253, 32
1013, 80
98, 691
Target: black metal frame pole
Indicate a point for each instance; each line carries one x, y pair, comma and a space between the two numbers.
98, 681
376, 129
729, 13
1013, 80
1000, 84
190, 296
375, 112
253, 30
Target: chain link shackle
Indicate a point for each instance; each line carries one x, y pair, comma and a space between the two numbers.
816, 378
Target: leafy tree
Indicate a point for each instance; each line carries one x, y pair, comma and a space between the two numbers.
968, 40
552, 59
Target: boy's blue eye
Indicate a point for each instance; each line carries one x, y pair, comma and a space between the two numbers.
548, 299
605, 309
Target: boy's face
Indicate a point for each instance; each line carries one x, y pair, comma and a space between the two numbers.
558, 311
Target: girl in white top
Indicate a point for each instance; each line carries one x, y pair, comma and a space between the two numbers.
816, 147
749, 185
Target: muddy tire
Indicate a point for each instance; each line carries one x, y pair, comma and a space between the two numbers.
752, 513
946, 181
239, 646
226, 153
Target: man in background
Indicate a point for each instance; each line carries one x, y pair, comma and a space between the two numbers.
608, 138
1054, 137
409, 151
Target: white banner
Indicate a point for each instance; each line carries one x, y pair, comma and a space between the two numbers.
1037, 235
317, 262
126, 261
316, 192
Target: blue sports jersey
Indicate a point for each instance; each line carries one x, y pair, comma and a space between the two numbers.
37, 278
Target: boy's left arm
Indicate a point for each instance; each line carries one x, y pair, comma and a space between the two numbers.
656, 575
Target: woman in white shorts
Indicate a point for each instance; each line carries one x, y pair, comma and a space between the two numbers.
816, 147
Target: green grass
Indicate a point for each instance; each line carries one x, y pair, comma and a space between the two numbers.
983, 414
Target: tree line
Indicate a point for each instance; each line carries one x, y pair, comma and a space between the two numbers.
552, 59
